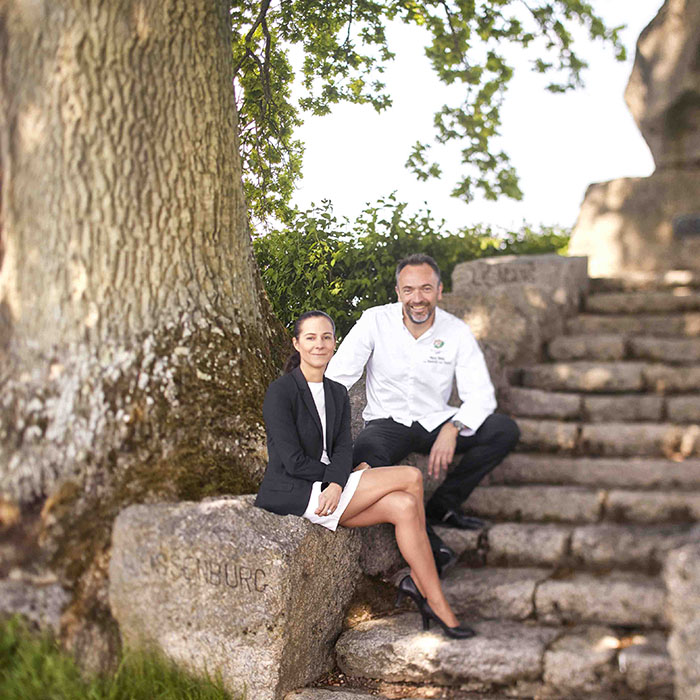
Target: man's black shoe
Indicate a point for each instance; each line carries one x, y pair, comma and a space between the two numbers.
445, 558
460, 521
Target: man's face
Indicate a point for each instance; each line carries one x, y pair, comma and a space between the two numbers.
419, 291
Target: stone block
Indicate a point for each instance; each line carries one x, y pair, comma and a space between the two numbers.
230, 588
683, 409
535, 403
328, 694
653, 506
581, 662
491, 592
682, 576
379, 553
627, 224
627, 546
630, 439
524, 544
617, 599
687, 324
642, 472
646, 666
516, 304
643, 302
665, 379
394, 649
612, 377
547, 435
632, 408
587, 347
668, 350
538, 503
40, 603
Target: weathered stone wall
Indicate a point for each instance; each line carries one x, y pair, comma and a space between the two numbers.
682, 576
225, 587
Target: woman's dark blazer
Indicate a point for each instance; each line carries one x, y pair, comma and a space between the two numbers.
295, 443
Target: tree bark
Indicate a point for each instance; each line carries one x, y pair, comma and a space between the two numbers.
136, 342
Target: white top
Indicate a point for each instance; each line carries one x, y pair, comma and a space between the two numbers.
320, 401
410, 379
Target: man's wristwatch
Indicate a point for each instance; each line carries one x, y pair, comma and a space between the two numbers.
459, 425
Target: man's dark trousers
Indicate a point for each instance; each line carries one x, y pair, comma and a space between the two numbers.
385, 442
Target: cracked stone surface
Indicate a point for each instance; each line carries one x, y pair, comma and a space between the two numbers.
518, 544
394, 649
492, 592
653, 506
671, 350
581, 662
616, 599
646, 665
644, 547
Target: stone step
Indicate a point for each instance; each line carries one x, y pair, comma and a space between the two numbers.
669, 440
628, 599
530, 660
572, 504
601, 408
625, 472
681, 325
597, 547
634, 281
676, 300
610, 377
610, 347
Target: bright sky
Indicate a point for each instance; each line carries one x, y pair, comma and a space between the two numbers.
559, 144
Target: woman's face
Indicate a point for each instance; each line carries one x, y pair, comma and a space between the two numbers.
316, 342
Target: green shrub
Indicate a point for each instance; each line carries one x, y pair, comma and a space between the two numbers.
33, 667
319, 262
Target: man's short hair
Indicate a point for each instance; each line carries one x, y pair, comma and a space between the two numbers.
417, 259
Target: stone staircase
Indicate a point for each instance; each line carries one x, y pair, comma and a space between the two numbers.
567, 596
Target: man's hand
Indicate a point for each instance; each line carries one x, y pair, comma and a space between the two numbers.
328, 500
443, 450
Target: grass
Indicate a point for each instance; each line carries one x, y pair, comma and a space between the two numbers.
33, 667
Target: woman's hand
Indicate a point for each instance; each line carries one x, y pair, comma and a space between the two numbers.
328, 500
361, 467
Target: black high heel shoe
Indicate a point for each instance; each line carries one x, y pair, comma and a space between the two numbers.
457, 632
407, 587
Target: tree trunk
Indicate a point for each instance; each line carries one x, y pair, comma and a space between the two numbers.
136, 341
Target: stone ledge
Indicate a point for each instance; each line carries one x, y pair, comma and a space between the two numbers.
224, 586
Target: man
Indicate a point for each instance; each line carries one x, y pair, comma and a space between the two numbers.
413, 352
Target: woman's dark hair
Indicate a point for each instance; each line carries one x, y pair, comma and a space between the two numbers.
294, 359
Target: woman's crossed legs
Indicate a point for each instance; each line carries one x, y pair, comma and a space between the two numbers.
395, 495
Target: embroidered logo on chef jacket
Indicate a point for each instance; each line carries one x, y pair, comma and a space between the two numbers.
436, 356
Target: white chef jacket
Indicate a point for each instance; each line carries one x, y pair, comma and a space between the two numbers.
410, 379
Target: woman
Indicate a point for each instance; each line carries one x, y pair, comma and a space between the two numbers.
310, 473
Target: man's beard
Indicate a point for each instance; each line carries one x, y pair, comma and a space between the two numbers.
428, 316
